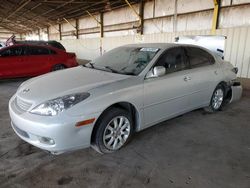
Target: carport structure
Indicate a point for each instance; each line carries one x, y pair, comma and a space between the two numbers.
194, 150
27, 15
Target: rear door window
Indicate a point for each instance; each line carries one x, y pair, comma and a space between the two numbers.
38, 51
13, 51
198, 57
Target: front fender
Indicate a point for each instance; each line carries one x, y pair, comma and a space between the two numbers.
103, 97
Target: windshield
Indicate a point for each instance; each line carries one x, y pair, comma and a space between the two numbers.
125, 60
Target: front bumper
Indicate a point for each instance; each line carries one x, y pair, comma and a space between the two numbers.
61, 130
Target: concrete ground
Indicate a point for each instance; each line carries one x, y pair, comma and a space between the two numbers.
194, 150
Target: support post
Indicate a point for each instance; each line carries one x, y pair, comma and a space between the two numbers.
175, 16
217, 4
141, 14
60, 31
39, 34
48, 32
77, 28
101, 25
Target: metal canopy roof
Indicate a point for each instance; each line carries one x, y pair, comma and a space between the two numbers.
28, 15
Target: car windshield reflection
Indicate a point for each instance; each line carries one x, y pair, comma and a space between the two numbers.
124, 60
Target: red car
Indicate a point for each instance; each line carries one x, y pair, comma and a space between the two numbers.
25, 60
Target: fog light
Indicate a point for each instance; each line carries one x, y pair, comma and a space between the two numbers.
46, 140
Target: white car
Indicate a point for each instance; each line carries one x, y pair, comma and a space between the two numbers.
126, 90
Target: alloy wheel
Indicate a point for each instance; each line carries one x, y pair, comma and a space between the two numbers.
217, 98
116, 133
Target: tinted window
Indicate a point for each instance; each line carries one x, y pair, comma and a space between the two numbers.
52, 51
198, 57
14, 51
173, 60
39, 51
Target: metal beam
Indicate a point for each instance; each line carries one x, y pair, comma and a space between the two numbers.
137, 14
92, 16
75, 27
100, 23
54, 27
215, 16
19, 8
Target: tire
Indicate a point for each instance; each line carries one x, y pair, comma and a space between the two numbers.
110, 134
58, 67
217, 99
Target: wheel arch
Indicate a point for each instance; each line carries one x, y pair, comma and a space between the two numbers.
131, 108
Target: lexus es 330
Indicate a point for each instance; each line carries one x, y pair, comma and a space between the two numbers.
124, 91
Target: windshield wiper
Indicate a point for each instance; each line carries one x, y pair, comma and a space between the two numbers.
92, 65
111, 69
130, 73
120, 72
108, 68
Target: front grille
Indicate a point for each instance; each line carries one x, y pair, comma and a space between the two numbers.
23, 105
19, 131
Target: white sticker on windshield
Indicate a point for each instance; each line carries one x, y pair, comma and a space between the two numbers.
149, 49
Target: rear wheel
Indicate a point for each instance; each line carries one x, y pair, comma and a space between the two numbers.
217, 99
58, 67
114, 130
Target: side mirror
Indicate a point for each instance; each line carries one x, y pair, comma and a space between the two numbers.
157, 71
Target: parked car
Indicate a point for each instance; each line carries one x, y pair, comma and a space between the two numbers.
124, 91
24, 60
52, 43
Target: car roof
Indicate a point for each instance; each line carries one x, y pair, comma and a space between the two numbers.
166, 46
35, 45
152, 45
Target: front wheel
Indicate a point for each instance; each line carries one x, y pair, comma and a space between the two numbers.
217, 99
114, 130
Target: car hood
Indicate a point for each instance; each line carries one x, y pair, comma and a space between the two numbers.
60, 83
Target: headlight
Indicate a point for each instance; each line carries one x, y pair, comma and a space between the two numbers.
55, 106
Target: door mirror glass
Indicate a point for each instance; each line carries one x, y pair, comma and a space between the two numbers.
157, 71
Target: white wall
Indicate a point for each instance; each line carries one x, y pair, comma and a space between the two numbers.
237, 48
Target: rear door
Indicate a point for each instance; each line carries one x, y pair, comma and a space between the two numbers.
203, 75
39, 59
12, 62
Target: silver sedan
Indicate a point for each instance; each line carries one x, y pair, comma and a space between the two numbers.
124, 91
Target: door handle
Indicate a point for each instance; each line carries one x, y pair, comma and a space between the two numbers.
187, 78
